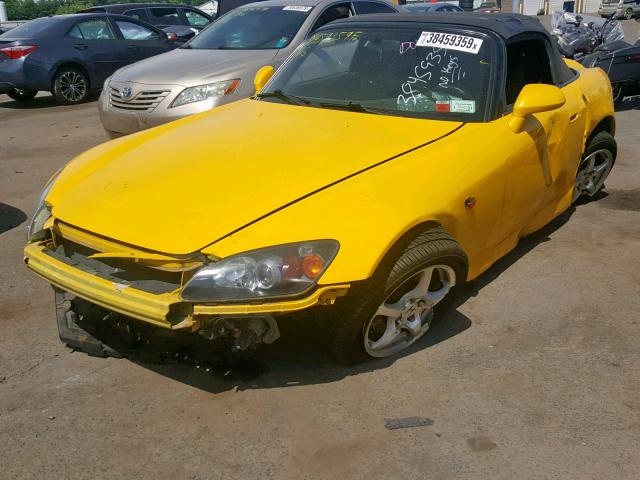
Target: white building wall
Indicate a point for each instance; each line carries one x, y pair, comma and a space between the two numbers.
531, 7
591, 6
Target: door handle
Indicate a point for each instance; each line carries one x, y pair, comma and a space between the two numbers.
80, 46
574, 117
133, 47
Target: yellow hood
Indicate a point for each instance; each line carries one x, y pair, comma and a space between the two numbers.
179, 187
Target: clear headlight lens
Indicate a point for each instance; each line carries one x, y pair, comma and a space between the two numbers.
35, 230
206, 92
279, 271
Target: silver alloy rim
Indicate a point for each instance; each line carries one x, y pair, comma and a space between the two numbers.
72, 86
592, 173
397, 324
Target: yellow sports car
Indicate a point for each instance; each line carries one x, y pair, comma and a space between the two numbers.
388, 160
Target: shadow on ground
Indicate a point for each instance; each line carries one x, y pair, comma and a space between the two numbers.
10, 217
40, 102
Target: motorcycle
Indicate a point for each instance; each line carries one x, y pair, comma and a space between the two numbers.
621, 62
578, 35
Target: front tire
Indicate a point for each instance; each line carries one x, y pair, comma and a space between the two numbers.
71, 86
596, 163
22, 95
388, 313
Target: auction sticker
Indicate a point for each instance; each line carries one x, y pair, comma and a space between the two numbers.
297, 8
463, 106
450, 41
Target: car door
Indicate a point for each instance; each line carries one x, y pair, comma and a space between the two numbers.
542, 160
141, 41
195, 19
163, 17
94, 43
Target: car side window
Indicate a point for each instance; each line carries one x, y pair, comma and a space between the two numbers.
196, 19
372, 7
92, 30
135, 31
138, 14
527, 62
314, 65
334, 12
164, 16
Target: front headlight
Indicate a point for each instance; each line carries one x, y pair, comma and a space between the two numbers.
35, 230
279, 271
205, 92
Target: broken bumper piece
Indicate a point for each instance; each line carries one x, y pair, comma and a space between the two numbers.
165, 310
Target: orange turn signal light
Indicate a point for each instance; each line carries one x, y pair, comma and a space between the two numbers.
232, 87
312, 265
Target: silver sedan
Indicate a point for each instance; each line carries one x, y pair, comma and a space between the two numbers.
218, 65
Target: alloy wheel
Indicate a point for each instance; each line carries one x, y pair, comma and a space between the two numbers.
406, 314
73, 86
592, 173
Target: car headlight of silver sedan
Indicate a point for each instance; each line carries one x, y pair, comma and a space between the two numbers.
205, 92
272, 272
35, 230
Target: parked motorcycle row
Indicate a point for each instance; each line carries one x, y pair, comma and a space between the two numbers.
598, 42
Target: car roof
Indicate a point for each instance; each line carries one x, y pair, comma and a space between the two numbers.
141, 5
506, 25
284, 3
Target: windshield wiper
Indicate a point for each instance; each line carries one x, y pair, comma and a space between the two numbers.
280, 95
350, 106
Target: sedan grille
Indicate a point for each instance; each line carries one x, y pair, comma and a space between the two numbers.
144, 101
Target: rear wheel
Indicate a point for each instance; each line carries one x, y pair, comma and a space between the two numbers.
628, 14
385, 315
596, 163
71, 86
20, 95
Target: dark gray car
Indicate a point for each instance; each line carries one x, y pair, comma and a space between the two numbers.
218, 65
71, 55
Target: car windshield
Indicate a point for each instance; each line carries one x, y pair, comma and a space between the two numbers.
253, 28
30, 29
439, 73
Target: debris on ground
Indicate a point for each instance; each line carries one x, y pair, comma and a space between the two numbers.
408, 422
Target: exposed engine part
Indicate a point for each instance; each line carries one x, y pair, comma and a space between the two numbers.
247, 332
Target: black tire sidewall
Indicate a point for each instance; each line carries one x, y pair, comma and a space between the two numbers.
600, 141
56, 87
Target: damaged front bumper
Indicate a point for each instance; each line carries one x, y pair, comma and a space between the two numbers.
165, 310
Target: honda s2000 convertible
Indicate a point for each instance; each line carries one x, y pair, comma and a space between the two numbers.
390, 158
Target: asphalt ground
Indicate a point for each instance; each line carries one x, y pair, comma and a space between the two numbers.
535, 374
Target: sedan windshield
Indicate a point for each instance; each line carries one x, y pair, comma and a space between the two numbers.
252, 28
440, 74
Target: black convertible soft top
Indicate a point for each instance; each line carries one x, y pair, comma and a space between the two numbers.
504, 24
